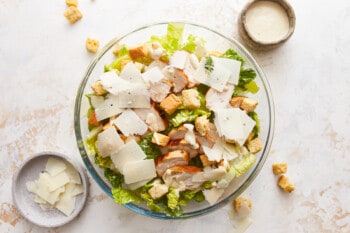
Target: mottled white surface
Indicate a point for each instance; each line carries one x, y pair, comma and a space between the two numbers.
43, 58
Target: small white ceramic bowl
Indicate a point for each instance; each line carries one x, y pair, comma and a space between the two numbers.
24, 200
257, 44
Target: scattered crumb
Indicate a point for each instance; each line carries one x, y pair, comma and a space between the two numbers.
279, 168
92, 45
72, 3
73, 14
285, 185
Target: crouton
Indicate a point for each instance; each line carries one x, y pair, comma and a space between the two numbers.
202, 125
255, 145
138, 52
240, 201
279, 168
160, 139
92, 45
205, 161
73, 14
249, 104
72, 3
285, 184
190, 98
158, 190
98, 88
170, 103
236, 101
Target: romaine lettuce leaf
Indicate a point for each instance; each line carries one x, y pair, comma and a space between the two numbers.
151, 150
187, 116
152, 204
123, 196
116, 179
173, 198
246, 82
232, 54
123, 55
172, 41
244, 164
90, 140
255, 117
191, 43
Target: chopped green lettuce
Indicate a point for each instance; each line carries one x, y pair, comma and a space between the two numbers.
151, 150
151, 203
187, 116
90, 140
188, 195
103, 162
123, 196
255, 117
232, 54
116, 179
123, 55
244, 164
191, 43
246, 82
172, 41
209, 65
173, 198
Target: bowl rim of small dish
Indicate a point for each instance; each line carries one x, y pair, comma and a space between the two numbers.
78, 206
80, 139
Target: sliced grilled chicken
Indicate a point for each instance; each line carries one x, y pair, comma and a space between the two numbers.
180, 177
158, 63
159, 90
152, 118
171, 159
219, 100
180, 80
178, 133
182, 144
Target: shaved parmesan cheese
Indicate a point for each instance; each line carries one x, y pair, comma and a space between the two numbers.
130, 124
178, 59
153, 75
216, 100
131, 73
136, 96
215, 153
44, 192
129, 152
108, 142
73, 174
57, 191
212, 195
216, 78
234, 124
108, 108
55, 166
137, 185
233, 66
97, 101
78, 189
57, 181
136, 171
66, 203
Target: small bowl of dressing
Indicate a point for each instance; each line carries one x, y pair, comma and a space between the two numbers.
266, 24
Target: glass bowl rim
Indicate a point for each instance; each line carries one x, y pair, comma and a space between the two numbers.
209, 209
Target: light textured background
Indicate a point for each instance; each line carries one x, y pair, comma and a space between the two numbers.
42, 60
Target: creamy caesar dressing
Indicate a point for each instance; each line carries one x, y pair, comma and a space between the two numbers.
267, 21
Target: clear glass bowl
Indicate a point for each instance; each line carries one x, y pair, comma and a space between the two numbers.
214, 41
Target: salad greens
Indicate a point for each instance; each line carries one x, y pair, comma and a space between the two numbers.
170, 190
